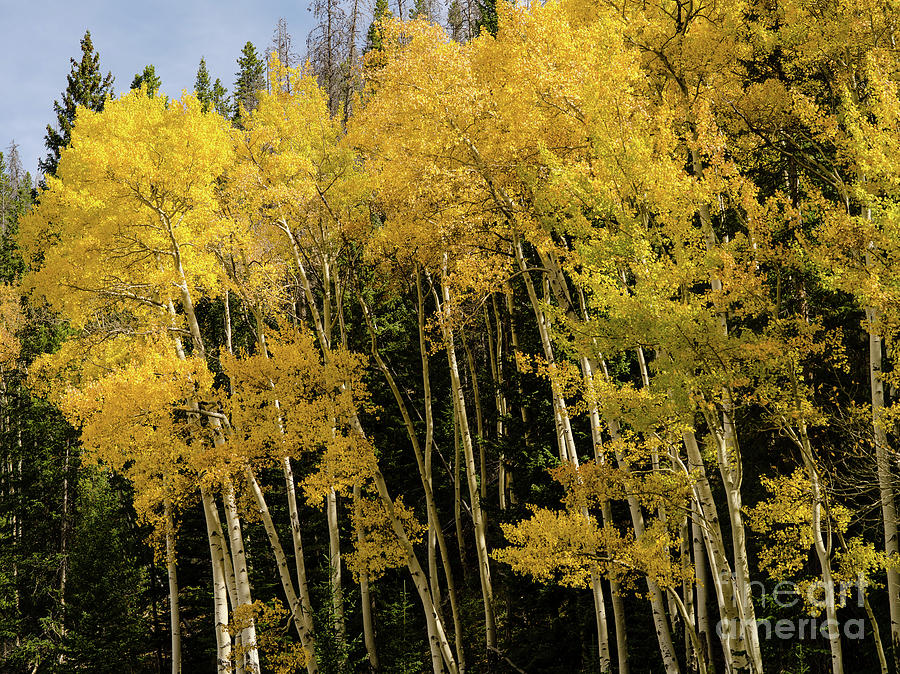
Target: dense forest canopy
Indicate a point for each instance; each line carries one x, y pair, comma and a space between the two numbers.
558, 339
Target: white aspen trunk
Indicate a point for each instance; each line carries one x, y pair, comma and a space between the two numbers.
702, 578
495, 356
655, 465
885, 478
479, 419
220, 590
565, 439
689, 629
301, 617
823, 551
657, 605
731, 634
334, 560
213, 533
484, 571
242, 580
435, 626
876, 632
366, 599
618, 611
692, 656
661, 622
560, 411
213, 526
730, 468
433, 522
523, 412
64, 552
600, 619
174, 610
299, 561
423, 463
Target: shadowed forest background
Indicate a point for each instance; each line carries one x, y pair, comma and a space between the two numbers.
486, 338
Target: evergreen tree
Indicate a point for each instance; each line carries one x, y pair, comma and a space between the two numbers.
421, 10
374, 38
86, 86
487, 17
147, 78
202, 86
220, 98
250, 80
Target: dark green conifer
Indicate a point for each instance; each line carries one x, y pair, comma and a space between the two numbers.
374, 38
87, 87
149, 79
202, 86
250, 80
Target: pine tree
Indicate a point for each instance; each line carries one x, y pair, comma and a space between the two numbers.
147, 78
422, 10
374, 38
220, 99
487, 17
202, 86
86, 86
250, 80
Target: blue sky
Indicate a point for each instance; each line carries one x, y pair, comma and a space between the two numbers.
37, 39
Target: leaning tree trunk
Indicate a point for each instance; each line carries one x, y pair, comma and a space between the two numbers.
484, 570
242, 581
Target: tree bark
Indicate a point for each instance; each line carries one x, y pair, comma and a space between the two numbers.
484, 571
174, 610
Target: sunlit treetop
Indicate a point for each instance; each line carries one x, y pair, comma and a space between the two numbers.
133, 208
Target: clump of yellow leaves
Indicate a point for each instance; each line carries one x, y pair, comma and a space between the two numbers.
292, 401
785, 518
132, 210
11, 321
281, 654
379, 549
131, 409
567, 546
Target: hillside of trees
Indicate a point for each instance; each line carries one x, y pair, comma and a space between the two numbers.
559, 338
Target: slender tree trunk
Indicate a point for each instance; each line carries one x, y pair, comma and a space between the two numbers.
823, 549
496, 357
479, 419
523, 411
299, 561
484, 571
301, 616
732, 617
220, 589
457, 493
560, 412
174, 610
657, 605
334, 560
242, 580
885, 479
64, 551
366, 599
423, 463
701, 574
435, 626
730, 467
